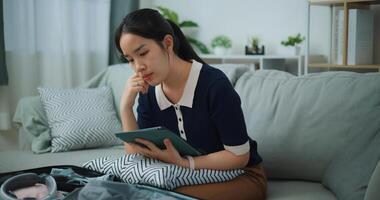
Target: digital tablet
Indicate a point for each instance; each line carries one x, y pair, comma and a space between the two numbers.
157, 135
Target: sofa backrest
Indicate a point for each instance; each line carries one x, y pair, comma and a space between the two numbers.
115, 77
34, 132
303, 124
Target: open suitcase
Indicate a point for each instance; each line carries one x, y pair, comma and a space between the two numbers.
69, 182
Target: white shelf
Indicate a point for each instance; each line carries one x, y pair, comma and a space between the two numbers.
262, 61
347, 5
238, 56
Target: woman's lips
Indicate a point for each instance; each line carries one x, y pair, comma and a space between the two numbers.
147, 77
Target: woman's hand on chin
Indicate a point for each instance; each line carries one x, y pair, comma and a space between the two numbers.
133, 85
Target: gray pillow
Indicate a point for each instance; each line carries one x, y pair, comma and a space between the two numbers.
80, 118
33, 127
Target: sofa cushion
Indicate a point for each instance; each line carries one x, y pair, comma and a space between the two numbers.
373, 192
114, 77
297, 190
302, 123
349, 173
80, 118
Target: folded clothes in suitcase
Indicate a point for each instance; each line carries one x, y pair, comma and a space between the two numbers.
68, 182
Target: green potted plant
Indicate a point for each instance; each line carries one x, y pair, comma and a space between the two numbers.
294, 41
187, 26
221, 44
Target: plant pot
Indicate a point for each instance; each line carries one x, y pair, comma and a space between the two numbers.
220, 51
255, 50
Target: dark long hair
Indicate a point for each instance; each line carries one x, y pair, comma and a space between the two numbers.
149, 23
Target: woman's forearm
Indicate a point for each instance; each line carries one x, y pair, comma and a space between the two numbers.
128, 119
129, 123
133, 86
221, 160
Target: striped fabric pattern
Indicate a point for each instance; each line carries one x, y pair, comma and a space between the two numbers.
80, 118
138, 169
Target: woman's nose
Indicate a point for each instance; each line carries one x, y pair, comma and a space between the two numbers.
140, 67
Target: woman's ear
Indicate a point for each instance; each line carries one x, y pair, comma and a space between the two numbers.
168, 42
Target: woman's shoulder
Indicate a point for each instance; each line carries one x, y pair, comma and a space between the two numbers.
212, 73
213, 80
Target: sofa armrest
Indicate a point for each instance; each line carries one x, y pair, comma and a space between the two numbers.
34, 131
373, 192
31, 119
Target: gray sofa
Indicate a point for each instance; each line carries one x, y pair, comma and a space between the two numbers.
318, 134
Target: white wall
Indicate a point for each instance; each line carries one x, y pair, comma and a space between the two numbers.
272, 20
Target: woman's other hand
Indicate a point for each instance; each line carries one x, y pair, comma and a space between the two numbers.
168, 155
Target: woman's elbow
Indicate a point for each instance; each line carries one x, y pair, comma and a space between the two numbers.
244, 159
241, 161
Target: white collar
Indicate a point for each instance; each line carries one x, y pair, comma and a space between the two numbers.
188, 93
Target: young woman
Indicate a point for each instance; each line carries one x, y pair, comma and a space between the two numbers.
179, 91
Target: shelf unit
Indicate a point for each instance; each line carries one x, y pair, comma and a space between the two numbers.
347, 4
257, 62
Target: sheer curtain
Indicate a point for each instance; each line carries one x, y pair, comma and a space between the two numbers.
3, 67
54, 43
119, 8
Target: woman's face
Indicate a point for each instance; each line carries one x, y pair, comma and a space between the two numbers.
147, 58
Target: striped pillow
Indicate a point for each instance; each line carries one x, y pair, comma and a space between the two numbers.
80, 118
137, 169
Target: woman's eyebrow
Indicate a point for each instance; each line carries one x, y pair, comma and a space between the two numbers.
136, 50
